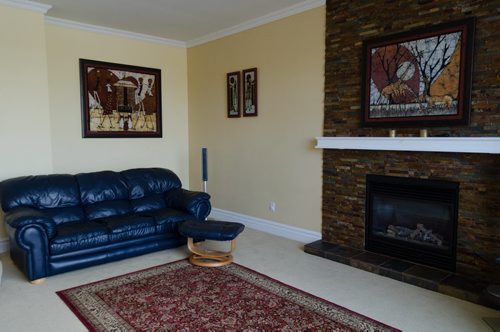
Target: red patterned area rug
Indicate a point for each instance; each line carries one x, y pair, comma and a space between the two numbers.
180, 296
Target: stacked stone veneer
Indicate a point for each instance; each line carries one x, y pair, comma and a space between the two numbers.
348, 23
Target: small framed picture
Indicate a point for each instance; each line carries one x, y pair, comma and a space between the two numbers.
233, 95
250, 92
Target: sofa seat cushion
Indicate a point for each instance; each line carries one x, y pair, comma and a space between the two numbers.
148, 203
128, 227
78, 235
65, 214
167, 219
107, 209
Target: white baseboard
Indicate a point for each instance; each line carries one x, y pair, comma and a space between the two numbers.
267, 226
4, 244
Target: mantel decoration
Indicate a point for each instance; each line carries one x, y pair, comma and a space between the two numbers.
120, 100
250, 92
233, 94
419, 77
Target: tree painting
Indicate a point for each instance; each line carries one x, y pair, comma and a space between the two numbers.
417, 77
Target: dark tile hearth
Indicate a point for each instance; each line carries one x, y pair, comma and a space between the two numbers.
394, 268
424, 276
342, 254
415, 274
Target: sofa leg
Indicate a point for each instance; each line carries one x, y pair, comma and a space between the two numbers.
38, 281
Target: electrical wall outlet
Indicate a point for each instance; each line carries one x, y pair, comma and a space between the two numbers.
272, 206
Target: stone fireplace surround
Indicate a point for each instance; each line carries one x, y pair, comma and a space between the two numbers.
348, 23
344, 216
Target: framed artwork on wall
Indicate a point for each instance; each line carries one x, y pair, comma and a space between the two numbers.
250, 92
233, 94
419, 77
120, 100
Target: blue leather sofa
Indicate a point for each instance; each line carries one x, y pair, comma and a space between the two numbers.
61, 222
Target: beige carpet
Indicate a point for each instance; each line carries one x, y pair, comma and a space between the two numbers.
24, 307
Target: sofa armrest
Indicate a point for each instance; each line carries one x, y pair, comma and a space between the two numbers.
23, 216
194, 202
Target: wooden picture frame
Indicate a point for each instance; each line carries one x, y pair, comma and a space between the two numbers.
120, 100
233, 83
420, 77
250, 92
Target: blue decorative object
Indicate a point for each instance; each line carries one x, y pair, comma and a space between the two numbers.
204, 164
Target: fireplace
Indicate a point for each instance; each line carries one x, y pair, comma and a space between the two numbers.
412, 219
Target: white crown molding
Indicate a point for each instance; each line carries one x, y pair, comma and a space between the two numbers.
277, 15
30, 5
274, 16
267, 226
4, 244
113, 32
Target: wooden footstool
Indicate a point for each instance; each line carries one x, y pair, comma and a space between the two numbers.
210, 230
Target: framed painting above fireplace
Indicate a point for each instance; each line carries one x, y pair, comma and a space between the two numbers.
419, 77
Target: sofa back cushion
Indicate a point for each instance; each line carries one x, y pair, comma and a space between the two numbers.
56, 194
147, 185
103, 194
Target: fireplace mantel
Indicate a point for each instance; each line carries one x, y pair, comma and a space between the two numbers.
425, 144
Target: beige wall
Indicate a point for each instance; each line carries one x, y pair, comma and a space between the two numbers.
253, 161
24, 105
71, 152
40, 127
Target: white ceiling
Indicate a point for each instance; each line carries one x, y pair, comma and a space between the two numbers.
186, 21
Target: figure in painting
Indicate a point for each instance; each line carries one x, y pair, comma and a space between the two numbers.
145, 103
102, 96
233, 88
125, 99
139, 97
149, 104
250, 93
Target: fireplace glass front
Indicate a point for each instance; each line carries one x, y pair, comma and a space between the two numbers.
413, 219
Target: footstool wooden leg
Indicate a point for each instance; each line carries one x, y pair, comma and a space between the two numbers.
214, 230
210, 258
